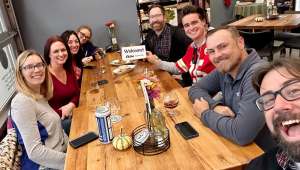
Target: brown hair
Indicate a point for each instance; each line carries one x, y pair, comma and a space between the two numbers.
234, 32
157, 6
291, 65
46, 86
191, 9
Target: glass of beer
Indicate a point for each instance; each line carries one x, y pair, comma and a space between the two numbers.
170, 102
94, 87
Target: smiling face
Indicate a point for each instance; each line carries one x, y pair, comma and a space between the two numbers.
225, 52
194, 27
157, 19
84, 35
73, 43
58, 53
283, 117
33, 79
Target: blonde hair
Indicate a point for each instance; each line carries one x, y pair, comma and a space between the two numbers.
84, 27
46, 86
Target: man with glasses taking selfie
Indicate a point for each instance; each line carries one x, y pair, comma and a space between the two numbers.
169, 43
237, 117
195, 61
278, 84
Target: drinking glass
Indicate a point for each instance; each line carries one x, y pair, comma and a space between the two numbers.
120, 46
114, 109
101, 63
170, 102
94, 87
148, 72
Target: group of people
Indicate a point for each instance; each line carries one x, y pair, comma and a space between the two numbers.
259, 99
48, 91
242, 77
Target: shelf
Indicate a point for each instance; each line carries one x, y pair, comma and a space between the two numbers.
148, 2
183, 4
145, 19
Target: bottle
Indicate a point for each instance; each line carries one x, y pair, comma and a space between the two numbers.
158, 122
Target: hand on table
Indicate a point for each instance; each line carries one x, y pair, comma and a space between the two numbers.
224, 110
152, 58
200, 106
67, 111
86, 60
178, 77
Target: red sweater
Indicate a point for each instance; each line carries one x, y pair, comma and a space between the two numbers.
64, 94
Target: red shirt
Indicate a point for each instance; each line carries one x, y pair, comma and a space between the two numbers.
77, 69
201, 68
64, 93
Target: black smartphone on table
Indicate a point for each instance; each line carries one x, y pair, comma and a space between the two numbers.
90, 67
84, 139
186, 130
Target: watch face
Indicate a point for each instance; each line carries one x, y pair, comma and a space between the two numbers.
3, 59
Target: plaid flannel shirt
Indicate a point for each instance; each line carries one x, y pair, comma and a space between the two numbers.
284, 161
162, 43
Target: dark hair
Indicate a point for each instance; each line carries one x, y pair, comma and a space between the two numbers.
291, 65
192, 9
234, 32
78, 57
163, 11
49, 42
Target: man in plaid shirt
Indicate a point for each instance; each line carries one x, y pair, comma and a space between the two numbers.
169, 43
278, 84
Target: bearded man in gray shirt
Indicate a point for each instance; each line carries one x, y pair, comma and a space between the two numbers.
237, 118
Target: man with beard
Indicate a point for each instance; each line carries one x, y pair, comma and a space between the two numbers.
168, 42
196, 61
278, 84
236, 118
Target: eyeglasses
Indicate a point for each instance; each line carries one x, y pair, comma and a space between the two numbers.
289, 92
83, 35
195, 57
155, 16
30, 68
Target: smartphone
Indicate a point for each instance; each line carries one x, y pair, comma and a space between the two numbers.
186, 130
90, 67
102, 82
84, 139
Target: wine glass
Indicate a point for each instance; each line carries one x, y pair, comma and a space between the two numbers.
114, 109
170, 102
148, 72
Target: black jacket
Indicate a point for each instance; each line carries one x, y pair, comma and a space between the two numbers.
179, 43
266, 161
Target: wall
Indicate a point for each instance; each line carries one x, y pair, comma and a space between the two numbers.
219, 12
40, 19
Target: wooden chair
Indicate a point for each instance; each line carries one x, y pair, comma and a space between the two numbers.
262, 42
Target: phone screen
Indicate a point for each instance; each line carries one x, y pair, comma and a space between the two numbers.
186, 130
75, 143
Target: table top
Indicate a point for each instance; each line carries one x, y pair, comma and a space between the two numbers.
289, 21
121, 86
208, 151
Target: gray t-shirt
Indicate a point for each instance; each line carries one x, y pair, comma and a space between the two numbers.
39, 131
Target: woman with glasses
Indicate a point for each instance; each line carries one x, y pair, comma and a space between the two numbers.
39, 129
66, 91
73, 42
89, 50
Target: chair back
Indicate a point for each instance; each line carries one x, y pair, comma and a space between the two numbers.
292, 12
229, 21
257, 40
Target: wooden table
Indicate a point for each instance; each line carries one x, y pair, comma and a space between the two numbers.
208, 151
289, 21
121, 87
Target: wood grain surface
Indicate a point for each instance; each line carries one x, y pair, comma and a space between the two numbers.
208, 151
120, 86
289, 21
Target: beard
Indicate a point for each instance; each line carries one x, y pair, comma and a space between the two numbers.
229, 66
291, 149
159, 27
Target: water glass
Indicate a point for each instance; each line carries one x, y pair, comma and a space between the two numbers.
120, 46
94, 87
